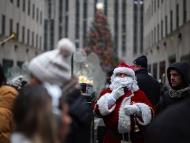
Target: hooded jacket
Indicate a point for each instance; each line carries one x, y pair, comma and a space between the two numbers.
7, 97
173, 96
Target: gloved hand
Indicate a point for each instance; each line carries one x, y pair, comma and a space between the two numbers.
118, 92
132, 109
18, 82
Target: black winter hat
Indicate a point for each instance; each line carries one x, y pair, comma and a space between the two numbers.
141, 61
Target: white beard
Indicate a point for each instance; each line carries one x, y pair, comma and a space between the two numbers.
128, 82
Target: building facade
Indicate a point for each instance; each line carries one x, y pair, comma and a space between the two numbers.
166, 33
73, 19
26, 19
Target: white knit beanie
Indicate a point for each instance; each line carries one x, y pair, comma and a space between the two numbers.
53, 66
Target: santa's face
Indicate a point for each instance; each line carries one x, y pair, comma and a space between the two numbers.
121, 80
122, 75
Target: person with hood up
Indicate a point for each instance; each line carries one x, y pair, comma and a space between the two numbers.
124, 107
172, 125
179, 81
8, 95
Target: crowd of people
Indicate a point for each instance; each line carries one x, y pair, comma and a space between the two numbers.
136, 108
48, 107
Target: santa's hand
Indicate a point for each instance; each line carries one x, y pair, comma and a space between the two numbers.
117, 93
132, 109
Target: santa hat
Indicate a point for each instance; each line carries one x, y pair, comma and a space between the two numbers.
52, 66
124, 68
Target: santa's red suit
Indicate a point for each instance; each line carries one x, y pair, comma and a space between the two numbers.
124, 108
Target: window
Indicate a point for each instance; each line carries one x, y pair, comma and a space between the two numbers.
40, 17
154, 38
11, 1
162, 29
66, 17
17, 30
171, 21
28, 36
45, 44
36, 40
18, 3
32, 38
123, 27
116, 15
33, 11
77, 20
166, 25
66, 25
37, 14
85, 19
158, 3
177, 15
154, 5
3, 26
11, 27
60, 11
60, 31
158, 32
184, 11
23, 34
106, 7
40, 42
95, 2
28, 7
24, 5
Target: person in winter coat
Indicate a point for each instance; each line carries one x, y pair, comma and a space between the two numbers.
179, 81
146, 83
172, 125
33, 116
80, 111
54, 67
8, 95
124, 108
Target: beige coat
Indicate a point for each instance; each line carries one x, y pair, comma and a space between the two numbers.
7, 97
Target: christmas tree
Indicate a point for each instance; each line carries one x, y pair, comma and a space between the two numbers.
100, 42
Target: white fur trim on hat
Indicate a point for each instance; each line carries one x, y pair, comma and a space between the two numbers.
103, 103
126, 70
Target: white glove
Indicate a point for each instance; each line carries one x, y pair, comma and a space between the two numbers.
117, 93
132, 109
18, 82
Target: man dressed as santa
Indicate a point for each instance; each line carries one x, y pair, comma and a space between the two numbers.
124, 108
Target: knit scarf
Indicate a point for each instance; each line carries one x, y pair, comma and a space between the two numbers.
178, 93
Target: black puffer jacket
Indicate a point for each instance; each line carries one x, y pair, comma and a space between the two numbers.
171, 126
81, 114
148, 85
181, 94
